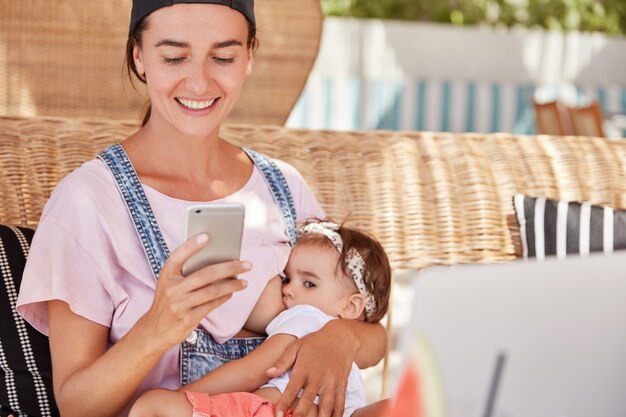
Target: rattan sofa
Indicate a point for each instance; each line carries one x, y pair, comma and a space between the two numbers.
430, 198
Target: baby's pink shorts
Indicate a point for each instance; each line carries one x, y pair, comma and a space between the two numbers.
236, 404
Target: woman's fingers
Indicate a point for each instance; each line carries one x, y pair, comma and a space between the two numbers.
340, 397
289, 395
204, 285
204, 309
331, 391
295, 384
208, 298
213, 290
214, 273
306, 399
320, 369
174, 264
181, 302
210, 287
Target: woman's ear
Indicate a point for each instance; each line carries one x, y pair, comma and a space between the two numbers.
138, 60
353, 308
250, 61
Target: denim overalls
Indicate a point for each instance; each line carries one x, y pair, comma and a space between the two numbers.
200, 353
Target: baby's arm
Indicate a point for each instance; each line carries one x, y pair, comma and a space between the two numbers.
245, 374
161, 403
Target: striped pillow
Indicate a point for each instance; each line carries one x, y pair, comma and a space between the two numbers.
549, 227
25, 370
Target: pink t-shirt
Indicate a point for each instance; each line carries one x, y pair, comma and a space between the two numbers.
86, 252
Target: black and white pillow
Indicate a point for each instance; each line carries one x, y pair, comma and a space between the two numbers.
25, 369
560, 228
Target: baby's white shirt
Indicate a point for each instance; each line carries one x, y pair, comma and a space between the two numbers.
299, 321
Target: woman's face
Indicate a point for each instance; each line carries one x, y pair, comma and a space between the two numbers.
195, 60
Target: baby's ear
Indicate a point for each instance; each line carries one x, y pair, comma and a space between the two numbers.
353, 308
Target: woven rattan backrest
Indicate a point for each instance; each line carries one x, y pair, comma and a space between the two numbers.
65, 58
430, 198
289, 33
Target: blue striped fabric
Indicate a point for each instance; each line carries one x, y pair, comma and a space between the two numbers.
421, 106
347, 103
446, 107
524, 115
495, 108
601, 94
357, 102
298, 116
328, 102
470, 105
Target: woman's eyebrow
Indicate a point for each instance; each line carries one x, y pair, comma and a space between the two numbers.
226, 44
170, 42
181, 44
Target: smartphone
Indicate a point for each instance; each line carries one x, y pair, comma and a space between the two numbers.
223, 222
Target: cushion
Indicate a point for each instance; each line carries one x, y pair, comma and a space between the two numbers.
25, 370
550, 227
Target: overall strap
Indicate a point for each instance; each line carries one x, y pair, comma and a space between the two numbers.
280, 190
137, 205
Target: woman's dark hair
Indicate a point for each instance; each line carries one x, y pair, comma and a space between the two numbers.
135, 38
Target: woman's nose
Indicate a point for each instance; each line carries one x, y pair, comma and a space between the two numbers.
199, 78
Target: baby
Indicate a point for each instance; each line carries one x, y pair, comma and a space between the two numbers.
334, 271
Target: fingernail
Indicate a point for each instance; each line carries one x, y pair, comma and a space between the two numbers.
272, 369
279, 414
244, 283
247, 265
203, 238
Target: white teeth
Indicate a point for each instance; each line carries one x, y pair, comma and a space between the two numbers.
196, 105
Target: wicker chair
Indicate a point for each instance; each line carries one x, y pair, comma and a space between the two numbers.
64, 58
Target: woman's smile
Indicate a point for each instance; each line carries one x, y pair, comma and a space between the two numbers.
194, 104
197, 107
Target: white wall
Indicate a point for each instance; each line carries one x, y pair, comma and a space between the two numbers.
399, 75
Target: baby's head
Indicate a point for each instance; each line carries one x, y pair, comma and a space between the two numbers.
340, 270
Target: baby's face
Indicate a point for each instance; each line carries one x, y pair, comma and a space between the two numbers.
312, 278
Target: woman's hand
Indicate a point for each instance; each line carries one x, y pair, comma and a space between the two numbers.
180, 302
321, 364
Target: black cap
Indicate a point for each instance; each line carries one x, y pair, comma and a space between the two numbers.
142, 8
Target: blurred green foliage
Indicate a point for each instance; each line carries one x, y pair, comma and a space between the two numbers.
585, 15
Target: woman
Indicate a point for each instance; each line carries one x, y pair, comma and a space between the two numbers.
115, 331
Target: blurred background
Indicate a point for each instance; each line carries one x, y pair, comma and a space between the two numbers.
464, 65
445, 65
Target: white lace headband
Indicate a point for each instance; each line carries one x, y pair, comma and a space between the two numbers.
354, 261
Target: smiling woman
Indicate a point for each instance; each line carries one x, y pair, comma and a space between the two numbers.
100, 264
219, 56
